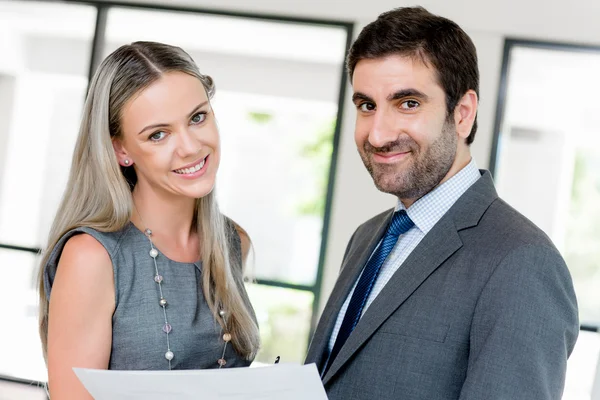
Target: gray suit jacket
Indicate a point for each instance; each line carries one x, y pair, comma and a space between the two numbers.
483, 308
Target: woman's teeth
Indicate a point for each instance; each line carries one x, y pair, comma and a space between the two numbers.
191, 170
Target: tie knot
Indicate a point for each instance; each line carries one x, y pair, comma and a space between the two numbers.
401, 223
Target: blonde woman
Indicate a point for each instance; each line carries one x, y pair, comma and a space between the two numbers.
142, 271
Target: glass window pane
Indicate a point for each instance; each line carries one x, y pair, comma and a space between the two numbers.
22, 391
549, 157
19, 341
276, 103
284, 320
583, 367
274, 184
45, 51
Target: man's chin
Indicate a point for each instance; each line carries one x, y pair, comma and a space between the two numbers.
386, 186
397, 186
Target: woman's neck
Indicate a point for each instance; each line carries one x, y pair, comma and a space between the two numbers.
170, 218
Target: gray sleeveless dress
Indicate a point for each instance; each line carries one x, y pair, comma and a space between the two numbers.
138, 341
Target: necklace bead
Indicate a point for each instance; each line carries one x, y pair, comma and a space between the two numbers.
153, 253
163, 302
167, 328
169, 355
158, 278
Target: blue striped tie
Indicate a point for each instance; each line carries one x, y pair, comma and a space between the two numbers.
400, 224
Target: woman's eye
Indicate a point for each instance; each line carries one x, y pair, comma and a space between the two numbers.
409, 104
198, 118
157, 136
366, 107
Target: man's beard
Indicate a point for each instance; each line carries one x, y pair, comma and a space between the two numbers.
421, 172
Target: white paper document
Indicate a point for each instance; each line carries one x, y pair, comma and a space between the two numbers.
273, 382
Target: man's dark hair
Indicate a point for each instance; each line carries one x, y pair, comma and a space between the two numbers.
437, 41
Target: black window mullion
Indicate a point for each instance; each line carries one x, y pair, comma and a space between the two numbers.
330, 185
97, 41
20, 248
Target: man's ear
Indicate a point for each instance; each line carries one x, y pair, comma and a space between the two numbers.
465, 113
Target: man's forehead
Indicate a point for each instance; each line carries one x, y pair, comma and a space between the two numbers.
387, 75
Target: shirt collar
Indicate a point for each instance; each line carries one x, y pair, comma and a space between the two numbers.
429, 209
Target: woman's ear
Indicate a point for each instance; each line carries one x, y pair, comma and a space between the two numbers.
121, 153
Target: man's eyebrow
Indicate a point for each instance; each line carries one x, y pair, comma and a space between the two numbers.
361, 96
400, 94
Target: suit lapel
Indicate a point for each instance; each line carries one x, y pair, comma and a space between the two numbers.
351, 269
433, 250
426, 258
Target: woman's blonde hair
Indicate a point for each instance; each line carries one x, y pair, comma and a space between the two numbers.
98, 193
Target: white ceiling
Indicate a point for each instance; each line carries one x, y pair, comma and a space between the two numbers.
573, 20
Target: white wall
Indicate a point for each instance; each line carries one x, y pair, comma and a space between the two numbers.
7, 89
487, 22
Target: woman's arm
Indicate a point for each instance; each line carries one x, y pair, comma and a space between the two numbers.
82, 303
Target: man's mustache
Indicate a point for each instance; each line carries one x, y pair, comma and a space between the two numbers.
402, 145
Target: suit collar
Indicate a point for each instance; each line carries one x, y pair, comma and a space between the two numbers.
472, 205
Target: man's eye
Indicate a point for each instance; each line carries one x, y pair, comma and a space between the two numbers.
409, 104
365, 107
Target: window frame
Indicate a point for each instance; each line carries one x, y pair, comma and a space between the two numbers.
96, 55
509, 45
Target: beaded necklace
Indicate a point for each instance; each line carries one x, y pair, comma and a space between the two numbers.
162, 302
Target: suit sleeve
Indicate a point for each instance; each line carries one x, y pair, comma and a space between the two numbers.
524, 328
